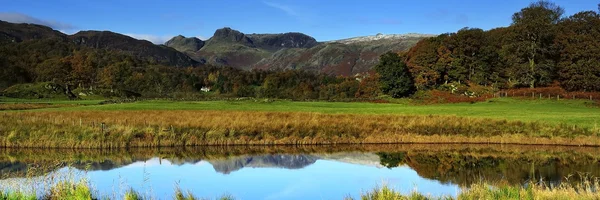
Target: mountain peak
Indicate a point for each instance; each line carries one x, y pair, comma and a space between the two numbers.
227, 34
183, 44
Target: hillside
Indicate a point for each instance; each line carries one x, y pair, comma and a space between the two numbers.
233, 48
139, 48
337, 58
11, 34
229, 47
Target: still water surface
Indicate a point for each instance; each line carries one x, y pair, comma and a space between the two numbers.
306, 172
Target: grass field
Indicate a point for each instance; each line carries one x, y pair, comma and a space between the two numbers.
178, 123
573, 112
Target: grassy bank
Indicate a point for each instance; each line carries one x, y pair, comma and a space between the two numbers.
573, 112
167, 123
116, 129
587, 189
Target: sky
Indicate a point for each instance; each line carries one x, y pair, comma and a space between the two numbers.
159, 20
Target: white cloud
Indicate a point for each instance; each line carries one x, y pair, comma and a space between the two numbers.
156, 39
23, 18
202, 38
285, 8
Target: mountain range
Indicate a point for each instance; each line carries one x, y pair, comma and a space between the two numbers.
229, 47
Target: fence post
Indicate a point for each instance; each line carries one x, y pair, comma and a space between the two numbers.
557, 97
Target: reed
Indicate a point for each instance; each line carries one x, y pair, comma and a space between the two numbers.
584, 190
132, 195
81, 190
180, 195
118, 129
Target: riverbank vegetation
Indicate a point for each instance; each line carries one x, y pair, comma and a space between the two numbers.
583, 113
118, 129
587, 189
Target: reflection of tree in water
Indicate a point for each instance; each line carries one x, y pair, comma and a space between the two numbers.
465, 169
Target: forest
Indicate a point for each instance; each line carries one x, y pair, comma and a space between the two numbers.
542, 47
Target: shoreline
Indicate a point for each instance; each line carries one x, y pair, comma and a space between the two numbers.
466, 141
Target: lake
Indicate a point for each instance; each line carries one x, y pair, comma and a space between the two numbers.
298, 172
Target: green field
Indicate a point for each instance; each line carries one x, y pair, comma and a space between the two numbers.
573, 112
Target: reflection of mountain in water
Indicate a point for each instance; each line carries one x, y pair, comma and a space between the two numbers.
357, 158
221, 165
229, 165
458, 165
287, 161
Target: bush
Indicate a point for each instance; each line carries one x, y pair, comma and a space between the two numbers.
36, 90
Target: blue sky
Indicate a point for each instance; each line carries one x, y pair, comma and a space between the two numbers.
158, 20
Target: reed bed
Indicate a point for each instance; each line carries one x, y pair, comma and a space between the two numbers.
118, 129
584, 190
81, 190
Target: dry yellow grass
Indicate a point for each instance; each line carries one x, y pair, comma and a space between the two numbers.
113, 129
587, 188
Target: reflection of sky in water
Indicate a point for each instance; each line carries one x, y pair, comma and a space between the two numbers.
324, 179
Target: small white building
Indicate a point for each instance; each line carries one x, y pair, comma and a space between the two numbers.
205, 89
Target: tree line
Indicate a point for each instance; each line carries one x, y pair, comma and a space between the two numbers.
111, 72
541, 47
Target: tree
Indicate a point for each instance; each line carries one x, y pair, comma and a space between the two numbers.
10, 74
395, 79
467, 51
422, 60
532, 45
114, 76
368, 86
579, 67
